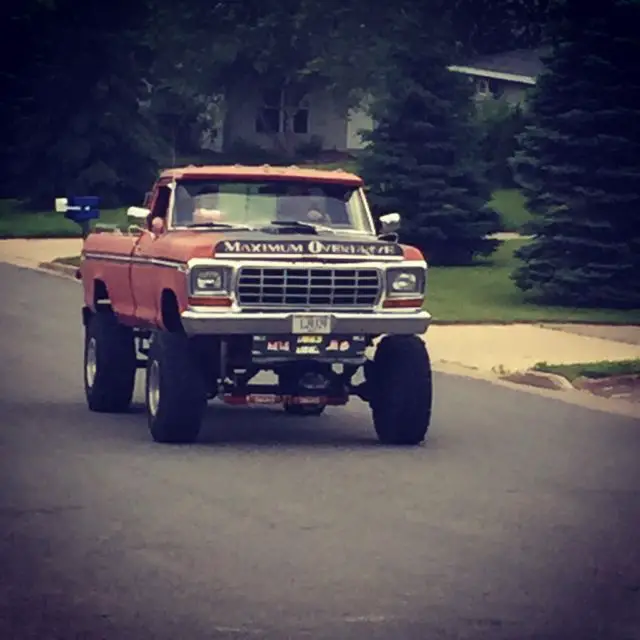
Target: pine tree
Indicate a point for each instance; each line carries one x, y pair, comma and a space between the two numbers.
422, 158
579, 163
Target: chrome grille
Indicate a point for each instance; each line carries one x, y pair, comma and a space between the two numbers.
308, 288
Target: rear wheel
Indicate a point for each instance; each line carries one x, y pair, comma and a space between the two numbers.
400, 390
109, 364
175, 390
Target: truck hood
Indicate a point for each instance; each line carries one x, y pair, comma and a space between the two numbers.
247, 244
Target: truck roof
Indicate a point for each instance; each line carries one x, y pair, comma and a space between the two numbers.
263, 172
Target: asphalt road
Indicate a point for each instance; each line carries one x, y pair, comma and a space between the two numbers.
519, 519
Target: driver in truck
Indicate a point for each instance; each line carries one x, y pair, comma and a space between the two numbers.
301, 204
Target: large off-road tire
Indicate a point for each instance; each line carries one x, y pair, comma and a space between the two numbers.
109, 364
175, 390
401, 390
304, 409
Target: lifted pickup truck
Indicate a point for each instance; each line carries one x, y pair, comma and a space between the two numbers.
232, 270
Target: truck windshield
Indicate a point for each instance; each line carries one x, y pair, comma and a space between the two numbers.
256, 204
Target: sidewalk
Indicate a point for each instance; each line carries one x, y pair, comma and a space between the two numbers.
485, 348
517, 347
30, 253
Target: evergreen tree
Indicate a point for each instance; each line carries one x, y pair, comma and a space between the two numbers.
422, 158
500, 124
579, 162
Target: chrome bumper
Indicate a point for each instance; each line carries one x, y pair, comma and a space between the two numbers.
208, 322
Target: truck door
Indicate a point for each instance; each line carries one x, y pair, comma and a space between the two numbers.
145, 276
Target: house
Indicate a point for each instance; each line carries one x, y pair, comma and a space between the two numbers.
507, 75
270, 119
273, 119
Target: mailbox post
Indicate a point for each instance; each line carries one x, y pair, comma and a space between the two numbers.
80, 209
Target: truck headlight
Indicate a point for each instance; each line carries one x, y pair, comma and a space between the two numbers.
210, 280
406, 282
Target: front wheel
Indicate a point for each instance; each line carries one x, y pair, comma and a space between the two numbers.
109, 364
401, 390
175, 390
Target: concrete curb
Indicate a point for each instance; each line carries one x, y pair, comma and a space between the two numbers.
67, 270
540, 379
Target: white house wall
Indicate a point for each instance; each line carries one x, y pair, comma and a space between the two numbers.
325, 121
358, 119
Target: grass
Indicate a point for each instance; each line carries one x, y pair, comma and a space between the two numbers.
593, 370
17, 223
485, 293
510, 204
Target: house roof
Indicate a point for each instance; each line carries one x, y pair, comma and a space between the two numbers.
262, 172
521, 65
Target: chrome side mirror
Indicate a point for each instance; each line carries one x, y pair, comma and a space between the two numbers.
389, 223
137, 213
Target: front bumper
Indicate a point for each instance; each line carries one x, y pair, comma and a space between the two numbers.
208, 322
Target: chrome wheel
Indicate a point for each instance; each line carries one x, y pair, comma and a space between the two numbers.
153, 388
91, 364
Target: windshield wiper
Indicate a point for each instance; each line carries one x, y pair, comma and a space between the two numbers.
298, 225
220, 225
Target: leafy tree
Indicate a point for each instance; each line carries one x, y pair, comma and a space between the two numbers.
580, 161
484, 27
78, 124
421, 160
297, 45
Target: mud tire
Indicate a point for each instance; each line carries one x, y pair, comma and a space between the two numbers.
109, 364
175, 390
400, 390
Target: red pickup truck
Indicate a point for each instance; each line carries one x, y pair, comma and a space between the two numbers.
228, 271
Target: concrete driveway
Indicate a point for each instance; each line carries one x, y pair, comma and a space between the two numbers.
517, 520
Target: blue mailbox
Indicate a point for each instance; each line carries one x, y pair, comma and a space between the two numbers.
80, 209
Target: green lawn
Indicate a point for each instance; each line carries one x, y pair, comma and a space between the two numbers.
16, 223
510, 204
485, 293
592, 370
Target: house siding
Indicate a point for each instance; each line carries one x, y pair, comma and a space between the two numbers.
326, 121
359, 119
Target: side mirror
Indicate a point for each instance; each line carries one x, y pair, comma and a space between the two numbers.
389, 223
138, 213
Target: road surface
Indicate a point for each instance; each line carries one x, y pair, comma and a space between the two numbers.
519, 519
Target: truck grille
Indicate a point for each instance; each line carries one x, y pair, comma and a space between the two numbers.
309, 288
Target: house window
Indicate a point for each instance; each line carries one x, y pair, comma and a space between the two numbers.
301, 121
279, 112
482, 87
269, 117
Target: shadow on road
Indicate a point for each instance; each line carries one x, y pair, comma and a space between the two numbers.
267, 426
224, 426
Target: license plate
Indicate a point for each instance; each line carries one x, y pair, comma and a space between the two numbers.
307, 346
311, 324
